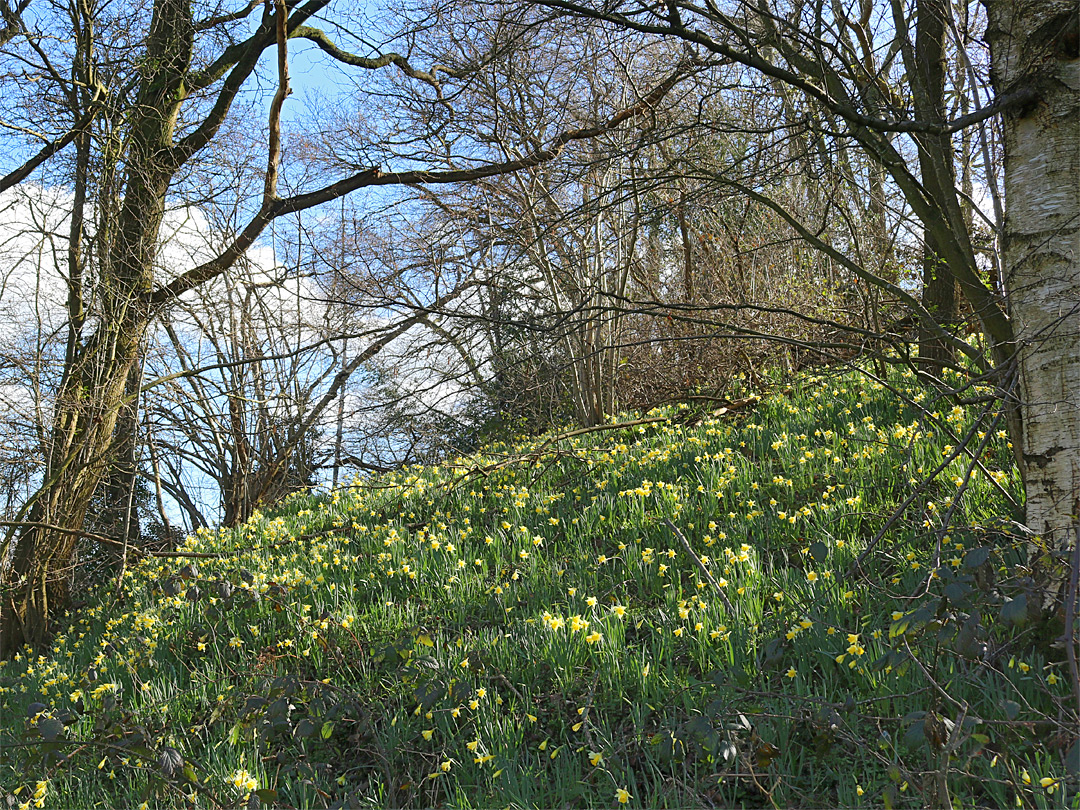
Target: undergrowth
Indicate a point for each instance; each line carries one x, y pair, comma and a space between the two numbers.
526, 628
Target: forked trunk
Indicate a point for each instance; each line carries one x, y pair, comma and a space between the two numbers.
92, 394
38, 579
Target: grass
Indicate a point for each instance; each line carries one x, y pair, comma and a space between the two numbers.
523, 628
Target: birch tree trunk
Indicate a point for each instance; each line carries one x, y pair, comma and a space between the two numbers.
1034, 45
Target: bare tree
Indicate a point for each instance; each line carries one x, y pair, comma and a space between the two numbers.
898, 125
183, 71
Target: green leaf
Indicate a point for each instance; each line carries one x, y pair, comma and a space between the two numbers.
976, 557
305, 728
50, 728
915, 734
819, 551
267, 795
1072, 759
1012, 709
956, 591
326, 730
35, 708
1015, 610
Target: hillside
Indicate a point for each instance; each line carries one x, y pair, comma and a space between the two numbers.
526, 628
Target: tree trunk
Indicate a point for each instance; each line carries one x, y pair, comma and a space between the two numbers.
92, 394
936, 170
1034, 45
82, 442
119, 514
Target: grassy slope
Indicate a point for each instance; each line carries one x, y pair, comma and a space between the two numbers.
534, 635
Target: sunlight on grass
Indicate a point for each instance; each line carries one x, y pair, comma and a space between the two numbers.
520, 629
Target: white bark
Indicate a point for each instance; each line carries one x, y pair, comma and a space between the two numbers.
1034, 44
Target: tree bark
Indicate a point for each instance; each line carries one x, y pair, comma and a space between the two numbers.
1034, 44
92, 395
936, 170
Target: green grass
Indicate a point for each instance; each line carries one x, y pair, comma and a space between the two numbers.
522, 629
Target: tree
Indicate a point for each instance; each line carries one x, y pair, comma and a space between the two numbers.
144, 104
1035, 55
891, 111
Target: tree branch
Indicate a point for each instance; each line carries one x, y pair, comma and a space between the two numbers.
327, 46
272, 209
51, 148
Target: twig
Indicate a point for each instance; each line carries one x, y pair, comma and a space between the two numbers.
961, 705
899, 511
947, 519
26, 524
945, 427
701, 566
587, 708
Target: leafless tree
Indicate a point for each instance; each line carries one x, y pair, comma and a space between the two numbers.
161, 86
874, 74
